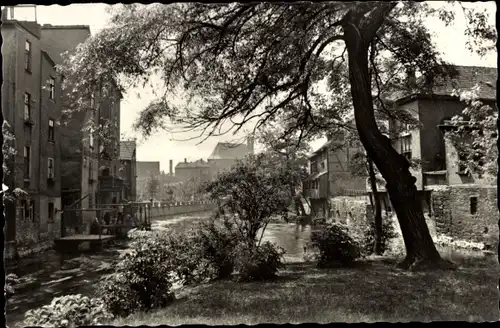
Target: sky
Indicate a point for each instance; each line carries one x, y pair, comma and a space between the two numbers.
163, 146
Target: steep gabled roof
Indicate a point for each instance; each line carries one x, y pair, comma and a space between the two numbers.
228, 150
127, 149
466, 78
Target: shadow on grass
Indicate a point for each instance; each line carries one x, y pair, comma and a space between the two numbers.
372, 291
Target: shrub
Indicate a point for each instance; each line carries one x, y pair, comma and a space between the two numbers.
335, 245
142, 279
257, 263
368, 239
217, 240
69, 311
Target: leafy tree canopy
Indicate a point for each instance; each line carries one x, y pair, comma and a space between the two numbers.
249, 62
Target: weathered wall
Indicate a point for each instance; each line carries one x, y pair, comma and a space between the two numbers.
452, 169
451, 211
431, 114
353, 211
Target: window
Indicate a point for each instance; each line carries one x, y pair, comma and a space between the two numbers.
52, 88
27, 162
50, 168
473, 205
462, 167
51, 213
26, 210
322, 165
315, 184
27, 106
27, 56
406, 147
51, 129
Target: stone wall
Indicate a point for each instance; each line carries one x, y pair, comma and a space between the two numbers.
353, 211
452, 212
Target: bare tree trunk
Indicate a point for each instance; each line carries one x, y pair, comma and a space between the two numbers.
377, 242
420, 249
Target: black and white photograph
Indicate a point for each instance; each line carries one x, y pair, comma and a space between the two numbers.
227, 163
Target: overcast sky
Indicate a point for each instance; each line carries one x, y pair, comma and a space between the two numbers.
161, 147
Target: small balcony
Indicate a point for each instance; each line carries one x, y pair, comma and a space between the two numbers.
312, 193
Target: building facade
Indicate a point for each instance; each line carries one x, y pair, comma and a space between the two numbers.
462, 205
226, 154
128, 168
144, 171
79, 151
330, 175
31, 103
198, 170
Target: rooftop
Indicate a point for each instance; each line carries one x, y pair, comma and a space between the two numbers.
127, 149
195, 164
50, 26
229, 150
466, 78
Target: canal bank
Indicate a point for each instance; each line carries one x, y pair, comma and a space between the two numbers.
51, 274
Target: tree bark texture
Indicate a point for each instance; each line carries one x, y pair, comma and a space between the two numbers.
377, 242
420, 249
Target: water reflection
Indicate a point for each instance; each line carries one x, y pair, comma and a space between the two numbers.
294, 238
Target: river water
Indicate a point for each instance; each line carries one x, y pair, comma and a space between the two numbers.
50, 275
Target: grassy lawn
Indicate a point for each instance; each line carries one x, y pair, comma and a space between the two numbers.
372, 291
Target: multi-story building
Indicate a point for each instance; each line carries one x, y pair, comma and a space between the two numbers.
31, 103
111, 187
198, 170
144, 171
79, 147
470, 200
330, 176
226, 154
128, 168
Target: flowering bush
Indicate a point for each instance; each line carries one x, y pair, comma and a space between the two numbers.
69, 311
335, 245
257, 262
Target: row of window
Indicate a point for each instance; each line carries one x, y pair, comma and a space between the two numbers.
27, 164
29, 210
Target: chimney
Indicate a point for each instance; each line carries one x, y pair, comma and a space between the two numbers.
185, 160
171, 166
250, 141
